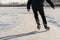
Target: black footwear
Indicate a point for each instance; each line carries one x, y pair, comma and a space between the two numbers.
47, 28
38, 24
38, 27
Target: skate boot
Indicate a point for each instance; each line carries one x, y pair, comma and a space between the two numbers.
46, 27
38, 27
38, 24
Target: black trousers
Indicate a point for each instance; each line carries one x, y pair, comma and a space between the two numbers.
41, 12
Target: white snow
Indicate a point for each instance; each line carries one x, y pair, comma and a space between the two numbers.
17, 24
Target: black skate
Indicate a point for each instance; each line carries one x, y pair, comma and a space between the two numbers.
38, 27
47, 28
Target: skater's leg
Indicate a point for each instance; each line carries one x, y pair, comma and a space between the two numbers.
36, 17
41, 11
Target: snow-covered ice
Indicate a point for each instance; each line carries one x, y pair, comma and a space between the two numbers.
17, 24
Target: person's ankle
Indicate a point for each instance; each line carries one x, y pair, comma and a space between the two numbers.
45, 24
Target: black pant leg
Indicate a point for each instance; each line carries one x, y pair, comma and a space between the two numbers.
36, 16
41, 11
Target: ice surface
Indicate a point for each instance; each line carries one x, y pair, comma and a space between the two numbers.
17, 24
10, 16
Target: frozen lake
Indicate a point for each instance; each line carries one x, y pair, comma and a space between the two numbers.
11, 17
17, 24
